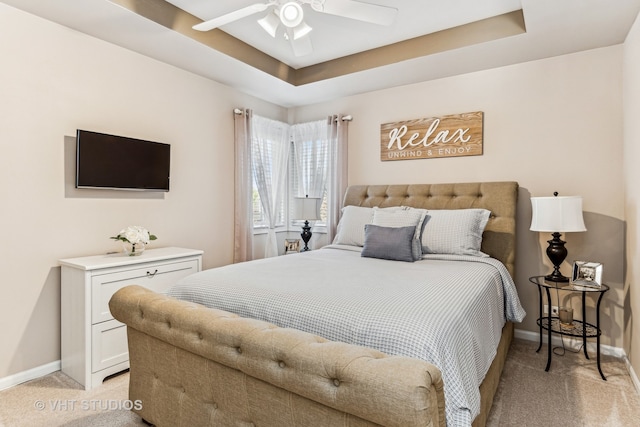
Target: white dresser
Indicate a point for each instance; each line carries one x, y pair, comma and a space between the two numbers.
93, 343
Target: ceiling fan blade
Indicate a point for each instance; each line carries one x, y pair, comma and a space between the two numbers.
301, 46
231, 16
367, 12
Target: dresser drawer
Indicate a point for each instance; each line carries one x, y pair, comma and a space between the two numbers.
158, 277
108, 345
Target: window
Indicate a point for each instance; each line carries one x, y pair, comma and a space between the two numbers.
260, 219
306, 150
270, 146
310, 163
308, 172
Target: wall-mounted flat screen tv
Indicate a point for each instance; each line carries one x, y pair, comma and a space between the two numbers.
121, 163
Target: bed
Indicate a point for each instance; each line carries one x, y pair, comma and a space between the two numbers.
427, 281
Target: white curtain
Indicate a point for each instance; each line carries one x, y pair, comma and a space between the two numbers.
270, 156
243, 205
311, 157
337, 127
262, 149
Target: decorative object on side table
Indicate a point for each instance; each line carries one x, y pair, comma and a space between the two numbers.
587, 273
134, 239
307, 209
291, 246
565, 314
557, 215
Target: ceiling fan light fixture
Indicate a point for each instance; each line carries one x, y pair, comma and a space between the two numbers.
301, 30
270, 23
291, 14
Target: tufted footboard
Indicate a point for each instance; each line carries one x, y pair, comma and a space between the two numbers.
194, 366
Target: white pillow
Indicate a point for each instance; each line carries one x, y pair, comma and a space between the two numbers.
403, 218
456, 231
350, 229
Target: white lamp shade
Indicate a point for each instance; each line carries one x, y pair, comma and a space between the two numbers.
306, 208
561, 214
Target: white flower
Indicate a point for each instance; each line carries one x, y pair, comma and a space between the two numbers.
135, 234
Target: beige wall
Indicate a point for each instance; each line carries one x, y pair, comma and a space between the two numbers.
54, 80
551, 125
631, 102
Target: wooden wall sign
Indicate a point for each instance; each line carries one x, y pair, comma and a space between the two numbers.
455, 135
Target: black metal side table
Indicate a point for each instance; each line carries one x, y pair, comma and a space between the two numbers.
579, 328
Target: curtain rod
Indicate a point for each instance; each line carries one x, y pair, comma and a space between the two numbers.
344, 118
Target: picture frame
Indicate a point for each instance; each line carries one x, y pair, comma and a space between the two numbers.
291, 246
587, 273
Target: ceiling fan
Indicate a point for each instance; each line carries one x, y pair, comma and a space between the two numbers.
291, 15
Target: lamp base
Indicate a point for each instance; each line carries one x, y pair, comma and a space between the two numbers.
553, 277
306, 236
557, 254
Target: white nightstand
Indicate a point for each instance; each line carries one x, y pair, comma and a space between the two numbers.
93, 343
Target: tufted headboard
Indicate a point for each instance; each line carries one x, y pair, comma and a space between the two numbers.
499, 238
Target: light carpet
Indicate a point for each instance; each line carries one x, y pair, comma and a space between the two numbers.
57, 400
570, 394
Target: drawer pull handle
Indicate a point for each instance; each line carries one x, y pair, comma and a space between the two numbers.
150, 275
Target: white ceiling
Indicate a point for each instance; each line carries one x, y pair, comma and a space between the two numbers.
333, 36
553, 27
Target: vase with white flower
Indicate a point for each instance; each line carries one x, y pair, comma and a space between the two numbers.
134, 239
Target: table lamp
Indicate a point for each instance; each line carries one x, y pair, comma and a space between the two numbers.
555, 215
307, 209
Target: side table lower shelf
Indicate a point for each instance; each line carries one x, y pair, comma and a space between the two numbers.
576, 329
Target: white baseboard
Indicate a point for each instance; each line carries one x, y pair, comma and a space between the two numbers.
28, 375
572, 343
575, 343
634, 377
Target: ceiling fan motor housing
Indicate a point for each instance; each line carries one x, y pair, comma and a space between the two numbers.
291, 14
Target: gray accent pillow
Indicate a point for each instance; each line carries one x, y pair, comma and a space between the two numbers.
403, 218
392, 243
454, 231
